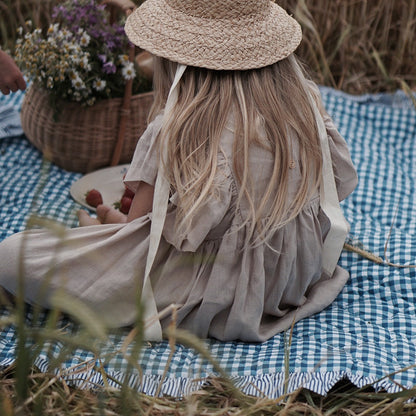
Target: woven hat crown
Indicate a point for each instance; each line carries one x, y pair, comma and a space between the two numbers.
220, 9
215, 34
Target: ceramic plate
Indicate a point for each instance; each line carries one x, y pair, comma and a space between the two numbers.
109, 181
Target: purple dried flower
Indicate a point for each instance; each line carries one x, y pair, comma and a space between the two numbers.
109, 68
57, 10
93, 20
111, 44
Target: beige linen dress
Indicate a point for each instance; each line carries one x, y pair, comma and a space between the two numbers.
226, 290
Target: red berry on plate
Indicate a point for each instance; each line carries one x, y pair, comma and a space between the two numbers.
128, 193
93, 198
125, 204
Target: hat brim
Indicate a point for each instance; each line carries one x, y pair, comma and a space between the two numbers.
223, 44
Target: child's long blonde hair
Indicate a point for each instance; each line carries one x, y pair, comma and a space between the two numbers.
274, 97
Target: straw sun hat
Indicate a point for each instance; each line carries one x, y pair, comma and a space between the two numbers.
215, 34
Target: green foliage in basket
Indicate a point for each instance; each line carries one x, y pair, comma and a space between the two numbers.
81, 56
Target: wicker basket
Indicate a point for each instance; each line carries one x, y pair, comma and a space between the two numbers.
87, 138
83, 138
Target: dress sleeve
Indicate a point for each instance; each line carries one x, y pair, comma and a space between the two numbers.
344, 171
145, 162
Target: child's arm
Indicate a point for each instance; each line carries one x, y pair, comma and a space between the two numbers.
141, 205
142, 201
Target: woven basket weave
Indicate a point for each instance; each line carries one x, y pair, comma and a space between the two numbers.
83, 138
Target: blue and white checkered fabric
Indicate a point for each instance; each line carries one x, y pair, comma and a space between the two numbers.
367, 335
10, 115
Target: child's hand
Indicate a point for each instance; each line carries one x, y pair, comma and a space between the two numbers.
11, 79
105, 215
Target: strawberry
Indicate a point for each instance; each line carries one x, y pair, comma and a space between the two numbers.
128, 193
93, 198
125, 204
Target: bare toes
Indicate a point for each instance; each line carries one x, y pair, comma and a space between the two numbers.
85, 219
102, 212
109, 215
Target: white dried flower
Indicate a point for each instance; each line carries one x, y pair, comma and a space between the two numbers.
128, 71
78, 83
85, 39
53, 28
84, 63
99, 84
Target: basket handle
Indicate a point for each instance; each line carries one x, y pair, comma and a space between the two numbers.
127, 7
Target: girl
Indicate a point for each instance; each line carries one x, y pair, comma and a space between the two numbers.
238, 178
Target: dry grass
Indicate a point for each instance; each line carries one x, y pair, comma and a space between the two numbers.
26, 391
16, 12
51, 396
358, 46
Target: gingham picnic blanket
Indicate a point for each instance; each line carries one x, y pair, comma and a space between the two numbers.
368, 335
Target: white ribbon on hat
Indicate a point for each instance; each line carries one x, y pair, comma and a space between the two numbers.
339, 227
153, 330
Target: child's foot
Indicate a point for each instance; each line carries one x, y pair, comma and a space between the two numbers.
85, 219
109, 215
